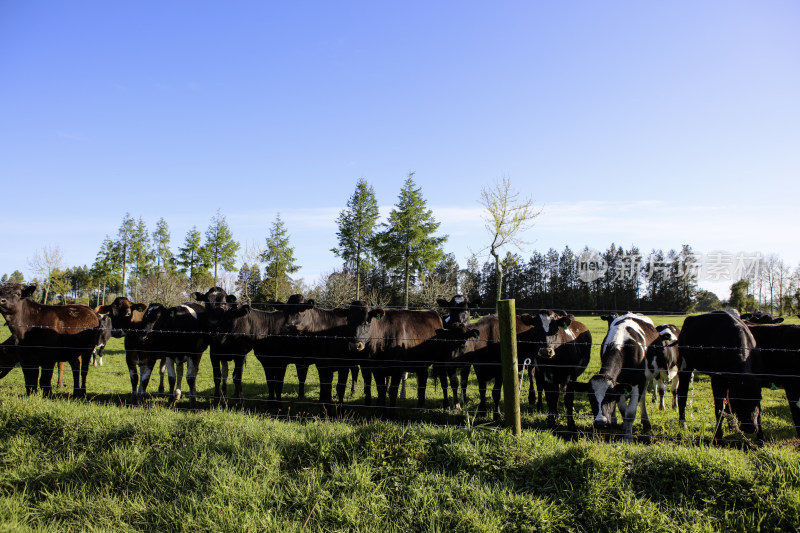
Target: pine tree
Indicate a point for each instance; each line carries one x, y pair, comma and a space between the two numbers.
123, 244
280, 261
407, 244
107, 268
193, 259
220, 247
357, 230
165, 260
140, 258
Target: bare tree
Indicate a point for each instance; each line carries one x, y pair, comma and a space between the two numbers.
507, 216
45, 263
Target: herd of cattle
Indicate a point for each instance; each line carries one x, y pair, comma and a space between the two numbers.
741, 354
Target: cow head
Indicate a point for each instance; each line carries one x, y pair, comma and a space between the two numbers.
549, 330
455, 341
11, 295
603, 394
217, 302
663, 353
610, 317
122, 313
458, 308
360, 320
295, 312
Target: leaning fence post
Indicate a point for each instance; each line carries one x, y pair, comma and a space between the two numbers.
507, 316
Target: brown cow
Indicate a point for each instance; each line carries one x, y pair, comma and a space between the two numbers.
46, 334
127, 321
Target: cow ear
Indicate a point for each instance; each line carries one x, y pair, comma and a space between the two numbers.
378, 313
476, 334
310, 303
526, 319
199, 296
746, 316
103, 309
778, 320
565, 321
28, 291
477, 302
441, 303
139, 307
230, 298
172, 313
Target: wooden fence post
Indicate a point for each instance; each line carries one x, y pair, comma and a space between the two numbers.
507, 316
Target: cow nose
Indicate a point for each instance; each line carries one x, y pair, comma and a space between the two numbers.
356, 346
601, 422
548, 352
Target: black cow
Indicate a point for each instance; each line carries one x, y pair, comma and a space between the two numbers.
759, 317
560, 348
47, 334
217, 302
244, 328
624, 373
8, 356
458, 318
390, 342
323, 333
779, 362
479, 346
721, 345
127, 320
180, 334
662, 356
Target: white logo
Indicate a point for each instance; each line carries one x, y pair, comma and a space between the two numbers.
591, 266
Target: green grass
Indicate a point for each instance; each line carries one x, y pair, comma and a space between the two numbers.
101, 465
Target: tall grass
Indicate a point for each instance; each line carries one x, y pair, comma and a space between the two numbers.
77, 466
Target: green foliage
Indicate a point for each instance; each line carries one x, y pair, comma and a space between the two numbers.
220, 248
280, 260
165, 260
357, 231
193, 259
407, 243
740, 299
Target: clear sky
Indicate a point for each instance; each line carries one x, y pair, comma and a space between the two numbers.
639, 123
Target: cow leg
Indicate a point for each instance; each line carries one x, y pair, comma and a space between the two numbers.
464, 383
354, 372
134, 375
280, 377
171, 377
532, 386
80, 370
61, 367
191, 379
238, 372
540, 389
162, 369
216, 371
366, 373
674, 388
422, 384
629, 412
684, 378
646, 426
569, 402
31, 375
719, 389
46, 380
497, 392
325, 385
393, 381
452, 376
482, 396
403, 379
146, 370
793, 397
302, 374
341, 383
223, 389
551, 393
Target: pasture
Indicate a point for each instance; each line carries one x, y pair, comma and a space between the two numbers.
101, 464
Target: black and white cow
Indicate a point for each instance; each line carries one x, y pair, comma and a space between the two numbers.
624, 373
104, 334
720, 344
560, 348
181, 335
662, 355
217, 302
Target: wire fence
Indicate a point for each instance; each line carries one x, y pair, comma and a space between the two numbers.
106, 384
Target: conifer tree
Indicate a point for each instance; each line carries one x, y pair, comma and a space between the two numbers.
220, 247
357, 231
193, 258
407, 243
280, 262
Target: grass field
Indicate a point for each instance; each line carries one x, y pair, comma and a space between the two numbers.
100, 464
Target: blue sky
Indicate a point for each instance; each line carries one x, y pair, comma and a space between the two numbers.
654, 124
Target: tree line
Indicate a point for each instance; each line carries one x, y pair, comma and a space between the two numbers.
402, 262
